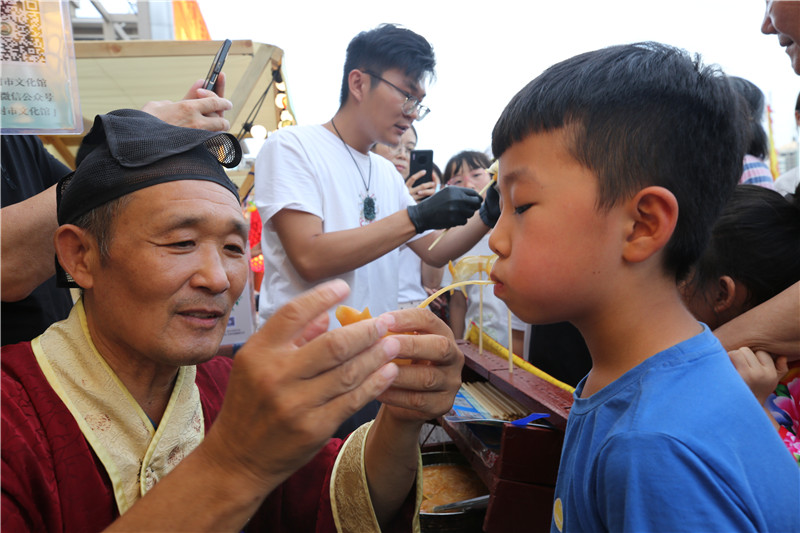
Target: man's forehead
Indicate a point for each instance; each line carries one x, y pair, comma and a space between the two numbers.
415, 86
189, 201
182, 188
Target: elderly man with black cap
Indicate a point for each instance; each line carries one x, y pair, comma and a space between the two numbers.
114, 418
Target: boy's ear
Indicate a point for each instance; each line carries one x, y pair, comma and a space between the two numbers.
77, 252
653, 214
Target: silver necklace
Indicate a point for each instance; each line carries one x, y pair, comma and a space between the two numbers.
368, 210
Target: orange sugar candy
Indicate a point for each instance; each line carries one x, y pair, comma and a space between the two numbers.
347, 315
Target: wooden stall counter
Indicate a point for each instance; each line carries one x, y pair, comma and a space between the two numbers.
519, 465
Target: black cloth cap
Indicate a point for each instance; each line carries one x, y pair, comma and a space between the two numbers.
127, 150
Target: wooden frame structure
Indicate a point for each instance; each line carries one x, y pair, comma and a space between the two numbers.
128, 74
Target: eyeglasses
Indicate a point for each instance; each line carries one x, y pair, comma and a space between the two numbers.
412, 103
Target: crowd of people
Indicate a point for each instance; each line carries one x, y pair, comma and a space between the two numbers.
630, 224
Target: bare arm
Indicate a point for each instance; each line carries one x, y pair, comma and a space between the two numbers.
431, 276
26, 244
458, 313
317, 255
773, 326
518, 341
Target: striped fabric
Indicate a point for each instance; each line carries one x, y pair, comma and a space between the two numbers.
756, 172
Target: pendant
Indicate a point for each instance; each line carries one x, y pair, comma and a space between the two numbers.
368, 209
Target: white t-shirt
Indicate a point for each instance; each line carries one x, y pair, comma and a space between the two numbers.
495, 311
787, 182
411, 289
308, 168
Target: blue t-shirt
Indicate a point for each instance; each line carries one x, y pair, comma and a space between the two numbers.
678, 443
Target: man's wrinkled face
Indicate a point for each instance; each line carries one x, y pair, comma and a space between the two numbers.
177, 264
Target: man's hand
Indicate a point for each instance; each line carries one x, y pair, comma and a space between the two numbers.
422, 391
759, 370
200, 109
452, 206
293, 384
425, 389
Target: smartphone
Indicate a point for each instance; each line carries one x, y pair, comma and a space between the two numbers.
216, 66
421, 160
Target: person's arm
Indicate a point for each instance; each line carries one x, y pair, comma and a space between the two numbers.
431, 276
421, 392
317, 255
26, 244
458, 313
292, 384
773, 326
518, 341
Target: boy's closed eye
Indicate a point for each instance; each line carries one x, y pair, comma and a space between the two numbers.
521, 209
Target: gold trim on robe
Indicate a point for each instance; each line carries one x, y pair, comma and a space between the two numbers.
350, 500
134, 453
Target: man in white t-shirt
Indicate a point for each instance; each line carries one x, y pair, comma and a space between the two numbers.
333, 209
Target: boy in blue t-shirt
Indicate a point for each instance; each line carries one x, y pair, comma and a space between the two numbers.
614, 165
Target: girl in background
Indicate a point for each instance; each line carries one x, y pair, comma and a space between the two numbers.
753, 254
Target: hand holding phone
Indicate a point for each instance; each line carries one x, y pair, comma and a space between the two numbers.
216, 66
421, 160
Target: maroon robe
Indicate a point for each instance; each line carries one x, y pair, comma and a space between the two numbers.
53, 481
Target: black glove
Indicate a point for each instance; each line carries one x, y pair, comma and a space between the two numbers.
452, 206
490, 208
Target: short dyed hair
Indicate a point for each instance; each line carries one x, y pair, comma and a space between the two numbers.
385, 47
639, 115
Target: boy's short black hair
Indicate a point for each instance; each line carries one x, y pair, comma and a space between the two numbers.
385, 47
639, 115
